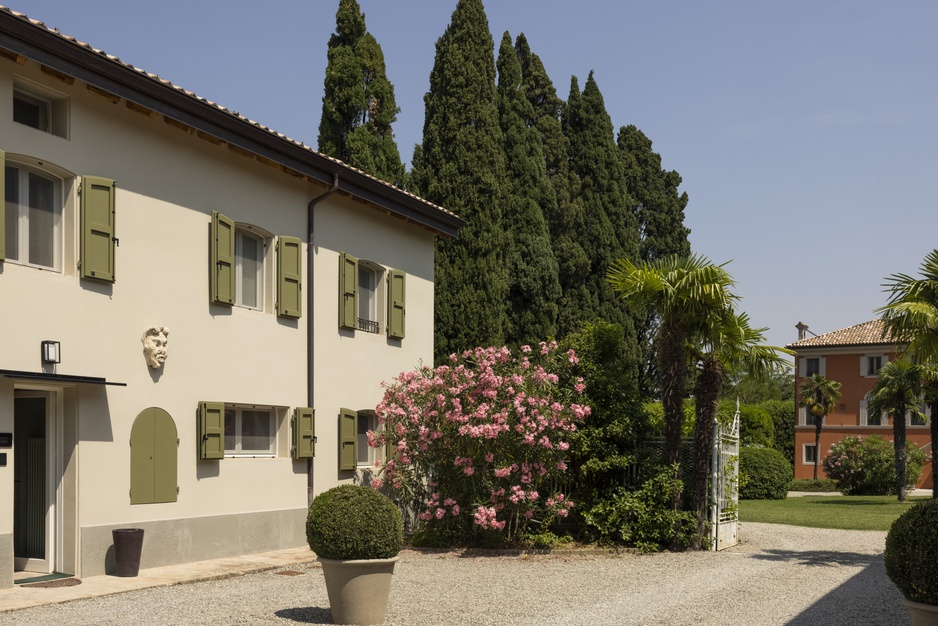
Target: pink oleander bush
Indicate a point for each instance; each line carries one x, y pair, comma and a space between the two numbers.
866, 466
477, 447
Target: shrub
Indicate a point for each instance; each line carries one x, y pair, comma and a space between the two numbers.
755, 423
354, 522
866, 466
656, 426
783, 419
911, 554
645, 518
764, 474
821, 485
607, 448
479, 445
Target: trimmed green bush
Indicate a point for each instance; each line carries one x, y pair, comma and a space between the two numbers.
821, 485
354, 522
783, 419
755, 423
765, 474
911, 554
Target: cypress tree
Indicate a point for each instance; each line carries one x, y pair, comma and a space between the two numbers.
565, 217
660, 213
461, 165
534, 288
611, 228
358, 105
659, 206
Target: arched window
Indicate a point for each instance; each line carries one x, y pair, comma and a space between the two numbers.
33, 216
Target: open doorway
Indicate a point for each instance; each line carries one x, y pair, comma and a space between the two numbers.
35, 476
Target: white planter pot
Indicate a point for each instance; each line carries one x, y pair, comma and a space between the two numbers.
358, 589
922, 614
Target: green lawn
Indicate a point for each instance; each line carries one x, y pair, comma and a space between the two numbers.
844, 512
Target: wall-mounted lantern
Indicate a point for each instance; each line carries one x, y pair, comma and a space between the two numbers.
51, 352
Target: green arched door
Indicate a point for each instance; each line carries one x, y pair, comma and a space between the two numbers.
153, 451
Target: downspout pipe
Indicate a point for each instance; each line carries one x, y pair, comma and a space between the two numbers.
310, 335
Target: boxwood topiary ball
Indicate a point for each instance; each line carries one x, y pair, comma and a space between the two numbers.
911, 554
354, 522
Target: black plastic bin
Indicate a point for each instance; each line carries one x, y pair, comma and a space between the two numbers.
128, 544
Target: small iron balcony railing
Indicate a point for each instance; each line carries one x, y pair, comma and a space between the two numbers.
368, 326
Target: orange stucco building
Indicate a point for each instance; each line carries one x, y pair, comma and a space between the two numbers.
852, 356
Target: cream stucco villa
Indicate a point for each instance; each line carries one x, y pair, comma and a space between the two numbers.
197, 313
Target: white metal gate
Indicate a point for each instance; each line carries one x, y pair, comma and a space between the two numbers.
724, 484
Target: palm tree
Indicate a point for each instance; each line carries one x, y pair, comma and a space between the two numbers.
898, 391
729, 342
683, 292
912, 315
819, 396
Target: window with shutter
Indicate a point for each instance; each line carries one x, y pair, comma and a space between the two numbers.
304, 433
32, 216
222, 259
396, 306
289, 277
348, 436
348, 291
98, 240
211, 430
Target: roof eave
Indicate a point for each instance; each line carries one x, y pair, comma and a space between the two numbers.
56, 51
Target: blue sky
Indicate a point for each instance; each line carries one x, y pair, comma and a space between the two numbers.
806, 132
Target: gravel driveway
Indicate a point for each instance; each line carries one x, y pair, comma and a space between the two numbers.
777, 575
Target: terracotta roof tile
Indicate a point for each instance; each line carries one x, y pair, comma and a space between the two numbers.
865, 334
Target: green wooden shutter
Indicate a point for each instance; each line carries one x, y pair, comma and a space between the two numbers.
153, 457
97, 228
304, 433
289, 277
348, 291
165, 451
142, 469
3, 205
396, 309
222, 270
348, 439
211, 430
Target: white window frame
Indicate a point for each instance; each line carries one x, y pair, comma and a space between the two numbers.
242, 232
803, 365
804, 453
808, 361
367, 420
54, 114
236, 412
866, 362
44, 107
865, 415
370, 296
20, 213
